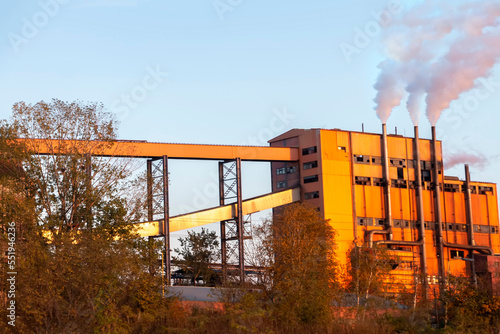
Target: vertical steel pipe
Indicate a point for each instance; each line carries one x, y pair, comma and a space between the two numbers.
470, 221
166, 222
420, 207
240, 221
387, 179
222, 224
149, 180
468, 207
437, 211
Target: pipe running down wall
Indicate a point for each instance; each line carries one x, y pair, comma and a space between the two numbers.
437, 210
420, 203
387, 179
387, 192
468, 207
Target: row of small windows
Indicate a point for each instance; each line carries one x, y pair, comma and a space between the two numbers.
307, 179
393, 162
401, 223
401, 183
286, 170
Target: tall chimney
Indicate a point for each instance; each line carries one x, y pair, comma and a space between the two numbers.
468, 207
387, 179
437, 199
420, 206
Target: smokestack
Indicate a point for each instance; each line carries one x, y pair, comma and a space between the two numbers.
420, 206
437, 198
468, 206
387, 178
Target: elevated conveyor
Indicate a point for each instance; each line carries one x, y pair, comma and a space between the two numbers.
143, 149
220, 213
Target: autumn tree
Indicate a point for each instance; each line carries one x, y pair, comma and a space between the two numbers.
92, 274
368, 271
299, 276
197, 251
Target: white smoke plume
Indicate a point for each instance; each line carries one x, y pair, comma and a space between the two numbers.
435, 52
477, 160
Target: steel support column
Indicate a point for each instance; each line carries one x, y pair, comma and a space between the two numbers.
157, 202
232, 231
166, 225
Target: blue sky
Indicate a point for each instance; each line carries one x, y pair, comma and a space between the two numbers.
219, 72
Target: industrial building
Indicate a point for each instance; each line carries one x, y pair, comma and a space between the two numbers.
391, 190
374, 189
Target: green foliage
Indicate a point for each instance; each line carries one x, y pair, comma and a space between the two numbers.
92, 274
469, 309
368, 269
197, 252
297, 286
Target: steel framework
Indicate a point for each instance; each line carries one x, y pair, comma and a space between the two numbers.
232, 231
158, 206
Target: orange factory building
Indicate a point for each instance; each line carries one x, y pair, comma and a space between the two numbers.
343, 173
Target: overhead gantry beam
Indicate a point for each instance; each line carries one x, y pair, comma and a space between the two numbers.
140, 149
220, 213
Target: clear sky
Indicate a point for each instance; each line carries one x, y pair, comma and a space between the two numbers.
221, 72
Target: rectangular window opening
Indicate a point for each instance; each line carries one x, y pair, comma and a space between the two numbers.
310, 164
310, 179
311, 195
309, 150
281, 184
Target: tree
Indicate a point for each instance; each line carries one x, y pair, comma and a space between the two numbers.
92, 274
297, 249
368, 270
197, 252
71, 190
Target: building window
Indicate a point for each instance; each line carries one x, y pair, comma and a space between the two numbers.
401, 174
378, 182
362, 181
361, 159
281, 171
451, 188
309, 150
377, 160
397, 162
291, 170
398, 183
310, 164
312, 178
457, 254
342, 148
311, 195
426, 175
281, 184
486, 190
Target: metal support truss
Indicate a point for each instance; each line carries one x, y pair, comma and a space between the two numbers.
232, 231
158, 208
